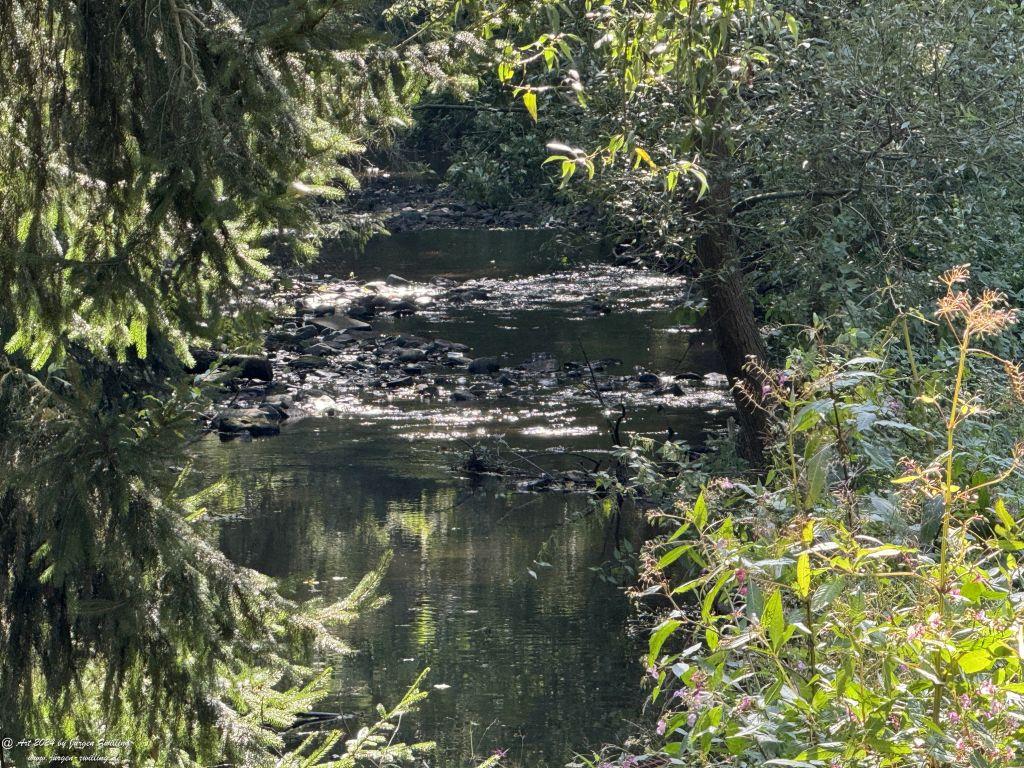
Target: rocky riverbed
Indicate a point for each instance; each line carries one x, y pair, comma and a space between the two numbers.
453, 345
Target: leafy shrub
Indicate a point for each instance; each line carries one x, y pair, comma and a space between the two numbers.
852, 609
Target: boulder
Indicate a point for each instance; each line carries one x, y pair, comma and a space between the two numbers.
484, 365
411, 355
340, 323
673, 389
408, 340
321, 349
249, 366
252, 421
402, 307
274, 412
448, 346
339, 338
359, 311
290, 336
541, 363
307, 361
469, 294
252, 366
401, 381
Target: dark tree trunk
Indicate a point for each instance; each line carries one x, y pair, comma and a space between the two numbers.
731, 313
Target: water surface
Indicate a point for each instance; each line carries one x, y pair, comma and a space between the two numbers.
495, 590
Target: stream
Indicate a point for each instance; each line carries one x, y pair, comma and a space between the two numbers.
494, 586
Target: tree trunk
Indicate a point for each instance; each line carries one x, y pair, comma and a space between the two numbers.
731, 313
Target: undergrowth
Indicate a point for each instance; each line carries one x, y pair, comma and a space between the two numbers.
860, 603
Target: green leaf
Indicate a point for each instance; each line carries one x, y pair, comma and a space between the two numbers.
931, 519
661, 634
817, 473
793, 25
803, 575
699, 513
708, 603
975, 661
826, 593
711, 637
641, 155
773, 619
702, 179
530, 102
1004, 516
807, 534
672, 555
811, 414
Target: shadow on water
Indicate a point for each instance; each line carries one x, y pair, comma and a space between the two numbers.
456, 254
536, 666
542, 665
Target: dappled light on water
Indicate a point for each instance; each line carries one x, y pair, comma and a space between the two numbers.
493, 587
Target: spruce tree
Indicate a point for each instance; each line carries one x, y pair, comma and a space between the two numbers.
148, 151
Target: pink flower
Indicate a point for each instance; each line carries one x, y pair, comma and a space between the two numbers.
662, 725
954, 717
